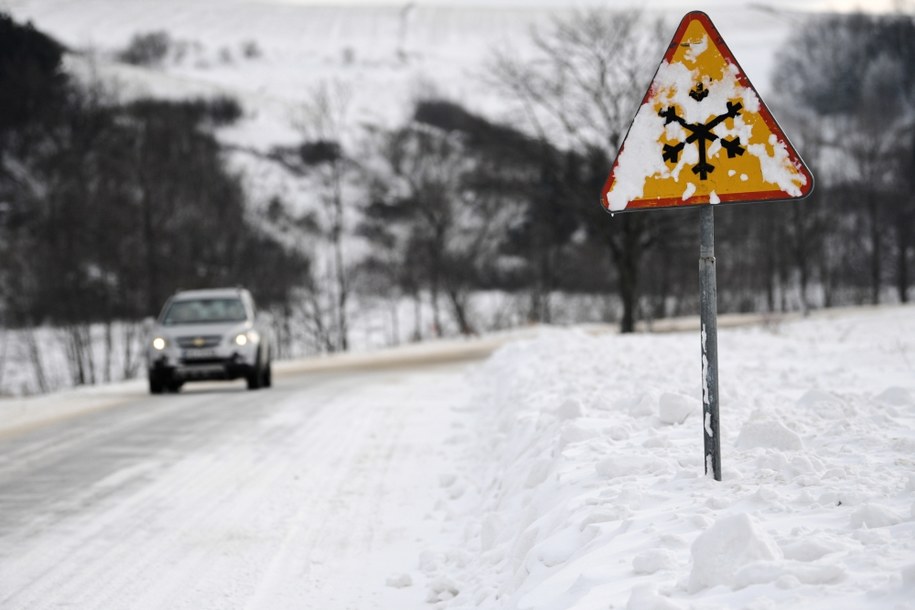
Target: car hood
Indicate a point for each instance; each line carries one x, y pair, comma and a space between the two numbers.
202, 330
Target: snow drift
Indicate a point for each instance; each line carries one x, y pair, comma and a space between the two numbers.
582, 484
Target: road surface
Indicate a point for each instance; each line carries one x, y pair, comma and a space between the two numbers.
313, 494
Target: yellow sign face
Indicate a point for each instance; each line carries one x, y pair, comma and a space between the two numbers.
702, 134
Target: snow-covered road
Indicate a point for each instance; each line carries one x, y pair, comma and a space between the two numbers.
311, 495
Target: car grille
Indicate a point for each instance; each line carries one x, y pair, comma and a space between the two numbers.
198, 341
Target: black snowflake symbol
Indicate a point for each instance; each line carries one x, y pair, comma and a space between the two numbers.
702, 133
699, 93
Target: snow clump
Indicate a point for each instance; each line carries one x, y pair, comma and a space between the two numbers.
675, 408
730, 544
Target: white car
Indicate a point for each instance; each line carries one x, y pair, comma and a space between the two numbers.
208, 334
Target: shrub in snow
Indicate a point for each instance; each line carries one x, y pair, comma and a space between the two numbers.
149, 49
729, 545
675, 408
251, 50
768, 435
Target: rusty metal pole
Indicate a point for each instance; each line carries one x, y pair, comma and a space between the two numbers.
708, 308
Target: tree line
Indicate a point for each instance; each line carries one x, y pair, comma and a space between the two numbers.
106, 207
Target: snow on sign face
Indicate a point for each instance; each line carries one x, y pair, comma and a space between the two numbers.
702, 135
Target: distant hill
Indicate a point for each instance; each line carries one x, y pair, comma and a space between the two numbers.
270, 53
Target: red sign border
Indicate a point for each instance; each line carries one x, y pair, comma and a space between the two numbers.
679, 202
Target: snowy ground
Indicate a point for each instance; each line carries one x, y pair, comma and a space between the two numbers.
581, 485
563, 473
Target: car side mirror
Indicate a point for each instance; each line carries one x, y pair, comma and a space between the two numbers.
147, 324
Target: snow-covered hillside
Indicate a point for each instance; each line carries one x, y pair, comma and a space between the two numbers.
388, 53
273, 55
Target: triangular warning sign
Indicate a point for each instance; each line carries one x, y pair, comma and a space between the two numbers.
702, 134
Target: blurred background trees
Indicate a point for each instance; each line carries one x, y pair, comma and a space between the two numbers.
846, 81
109, 205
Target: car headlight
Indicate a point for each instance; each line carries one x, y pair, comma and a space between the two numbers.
247, 337
159, 343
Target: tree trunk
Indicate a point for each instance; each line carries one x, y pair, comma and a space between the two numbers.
4, 350
342, 284
35, 356
800, 255
826, 281
109, 351
626, 246
460, 312
628, 277
903, 239
876, 270
417, 316
395, 322
436, 309
131, 361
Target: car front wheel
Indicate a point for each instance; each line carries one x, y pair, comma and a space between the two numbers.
156, 383
255, 378
268, 375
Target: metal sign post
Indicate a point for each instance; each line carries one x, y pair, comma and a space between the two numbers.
708, 307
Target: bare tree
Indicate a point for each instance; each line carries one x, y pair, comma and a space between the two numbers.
324, 121
441, 226
580, 90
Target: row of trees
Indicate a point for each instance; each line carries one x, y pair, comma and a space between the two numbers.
109, 207
106, 207
459, 203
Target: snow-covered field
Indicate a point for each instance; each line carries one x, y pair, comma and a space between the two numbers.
580, 484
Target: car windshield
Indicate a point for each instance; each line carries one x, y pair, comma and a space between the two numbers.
203, 311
